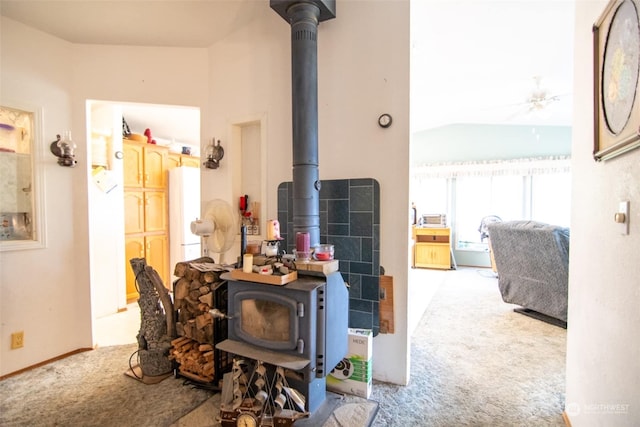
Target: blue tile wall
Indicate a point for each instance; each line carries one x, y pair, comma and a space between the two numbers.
350, 220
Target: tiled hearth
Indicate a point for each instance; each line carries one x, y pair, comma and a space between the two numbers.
350, 220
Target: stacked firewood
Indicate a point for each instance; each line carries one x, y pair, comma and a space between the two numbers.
195, 360
193, 298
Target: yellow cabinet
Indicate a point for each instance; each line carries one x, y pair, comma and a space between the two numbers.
146, 210
133, 212
155, 211
432, 247
133, 248
155, 167
157, 255
176, 160
133, 164
154, 249
145, 165
190, 161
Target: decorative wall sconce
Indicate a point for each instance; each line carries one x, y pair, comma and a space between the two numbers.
64, 150
214, 153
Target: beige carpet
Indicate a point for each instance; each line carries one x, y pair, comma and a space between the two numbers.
91, 389
474, 363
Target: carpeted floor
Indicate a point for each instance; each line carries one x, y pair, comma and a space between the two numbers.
91, 389
474, 362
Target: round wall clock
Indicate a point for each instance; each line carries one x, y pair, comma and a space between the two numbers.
385, 120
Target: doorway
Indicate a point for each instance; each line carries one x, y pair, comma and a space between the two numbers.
172, 128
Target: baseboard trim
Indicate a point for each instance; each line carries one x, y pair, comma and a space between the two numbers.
46, 362
565, 417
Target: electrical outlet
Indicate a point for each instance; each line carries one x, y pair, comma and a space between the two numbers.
17, 340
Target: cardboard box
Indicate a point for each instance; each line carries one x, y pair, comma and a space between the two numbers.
353, 374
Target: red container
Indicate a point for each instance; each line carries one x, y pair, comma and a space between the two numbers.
323, 252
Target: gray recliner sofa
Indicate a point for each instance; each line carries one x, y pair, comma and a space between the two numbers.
532, 259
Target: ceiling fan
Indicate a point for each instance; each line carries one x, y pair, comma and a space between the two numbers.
540, 98
537, 104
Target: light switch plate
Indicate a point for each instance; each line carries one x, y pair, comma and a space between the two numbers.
623, 208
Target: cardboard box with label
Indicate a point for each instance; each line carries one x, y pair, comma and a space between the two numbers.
353, 374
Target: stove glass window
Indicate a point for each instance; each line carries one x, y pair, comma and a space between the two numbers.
266, 320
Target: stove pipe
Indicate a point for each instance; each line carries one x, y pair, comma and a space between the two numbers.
304, 17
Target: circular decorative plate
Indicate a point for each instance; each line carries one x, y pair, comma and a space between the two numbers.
621, 66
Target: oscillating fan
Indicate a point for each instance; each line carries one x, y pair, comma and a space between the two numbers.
217, 227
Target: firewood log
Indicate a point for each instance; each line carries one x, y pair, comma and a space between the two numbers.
203, 320
182, 288
207, 299
192, 274
182, 266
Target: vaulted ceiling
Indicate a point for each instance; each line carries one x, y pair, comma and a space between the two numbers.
473, 61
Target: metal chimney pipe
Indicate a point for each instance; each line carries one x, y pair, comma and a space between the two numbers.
304, 78
304, 17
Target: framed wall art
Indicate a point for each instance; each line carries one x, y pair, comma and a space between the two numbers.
616, 47
21, 179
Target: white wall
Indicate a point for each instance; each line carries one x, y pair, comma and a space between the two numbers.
45, 292
603, 343
363, 71
249, 76
106, 218
145, 75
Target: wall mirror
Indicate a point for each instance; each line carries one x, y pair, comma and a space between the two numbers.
21, 183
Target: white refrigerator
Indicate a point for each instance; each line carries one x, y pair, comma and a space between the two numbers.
184, 207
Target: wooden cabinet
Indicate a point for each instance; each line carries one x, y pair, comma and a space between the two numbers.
146, 210
154, 248
133, 248
133, 164
155, 211
176, 160
432, 247
145, 165
133, 212
155, 167
157, 254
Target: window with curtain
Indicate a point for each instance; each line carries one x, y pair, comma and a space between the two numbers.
522, 189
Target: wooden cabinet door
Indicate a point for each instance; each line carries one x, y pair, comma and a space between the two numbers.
133, 212
432, 255
155, 211
133, 248
440, 256
133, 165
157, 252
173, 160
189, 161
155, 167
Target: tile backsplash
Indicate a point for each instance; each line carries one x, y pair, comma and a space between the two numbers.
350, 220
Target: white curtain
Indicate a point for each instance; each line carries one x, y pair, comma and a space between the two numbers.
522, 167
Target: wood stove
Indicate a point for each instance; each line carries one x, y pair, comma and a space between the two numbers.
301, 326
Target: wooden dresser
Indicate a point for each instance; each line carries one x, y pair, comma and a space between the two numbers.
432, 247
